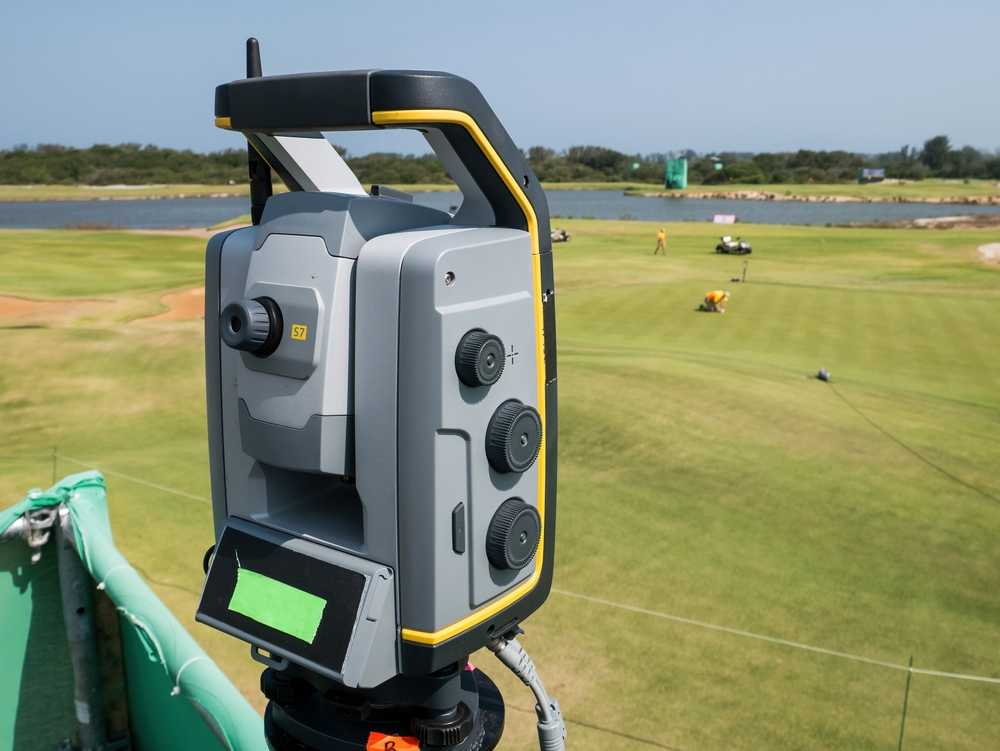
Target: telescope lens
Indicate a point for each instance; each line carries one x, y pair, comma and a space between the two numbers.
253, 326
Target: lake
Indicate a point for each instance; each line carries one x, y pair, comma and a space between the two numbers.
176, 213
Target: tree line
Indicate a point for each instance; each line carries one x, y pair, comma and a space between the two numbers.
134, 164
936, 158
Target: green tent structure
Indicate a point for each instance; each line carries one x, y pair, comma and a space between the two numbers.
677, 174
90, 656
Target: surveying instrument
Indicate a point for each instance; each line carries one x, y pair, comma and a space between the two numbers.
382, 418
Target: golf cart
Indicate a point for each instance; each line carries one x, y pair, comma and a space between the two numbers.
734, 247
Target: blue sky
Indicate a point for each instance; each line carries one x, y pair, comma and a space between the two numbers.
634, 76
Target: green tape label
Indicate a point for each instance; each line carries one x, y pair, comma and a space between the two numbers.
276, 604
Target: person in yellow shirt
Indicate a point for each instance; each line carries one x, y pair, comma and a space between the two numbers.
715, 301
661, 242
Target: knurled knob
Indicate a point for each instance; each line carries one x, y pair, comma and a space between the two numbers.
513, 535
286, 692
480, 358
252, 326
438, 732
514, 437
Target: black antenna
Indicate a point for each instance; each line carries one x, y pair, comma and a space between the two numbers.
253, 59
260, 173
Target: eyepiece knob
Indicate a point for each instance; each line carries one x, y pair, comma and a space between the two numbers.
513, 535
479, 359
514, 437
253, 326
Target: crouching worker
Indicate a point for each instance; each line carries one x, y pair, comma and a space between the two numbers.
715, 301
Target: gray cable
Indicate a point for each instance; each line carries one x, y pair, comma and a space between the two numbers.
551, 728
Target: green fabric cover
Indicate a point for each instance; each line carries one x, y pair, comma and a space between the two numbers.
199, 709
677, 174
36, 693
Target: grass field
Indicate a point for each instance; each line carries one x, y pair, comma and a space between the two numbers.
704, 473
912, 191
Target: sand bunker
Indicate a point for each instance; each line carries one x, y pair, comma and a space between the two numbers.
990, 252
184, 306
18, 312
11, 306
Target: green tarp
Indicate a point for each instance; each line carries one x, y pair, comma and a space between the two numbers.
677, 174
177, 697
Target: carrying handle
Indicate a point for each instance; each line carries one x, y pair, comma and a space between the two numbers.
498, 186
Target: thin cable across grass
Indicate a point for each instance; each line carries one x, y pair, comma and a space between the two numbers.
148, 484
151, 580
913, 451
776, 640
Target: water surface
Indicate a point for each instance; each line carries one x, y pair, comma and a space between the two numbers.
175, 213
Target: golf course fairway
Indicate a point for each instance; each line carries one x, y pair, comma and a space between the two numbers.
705, 473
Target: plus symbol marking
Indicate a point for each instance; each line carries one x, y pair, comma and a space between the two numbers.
511, 354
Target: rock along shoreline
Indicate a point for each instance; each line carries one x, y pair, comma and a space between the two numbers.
765, 195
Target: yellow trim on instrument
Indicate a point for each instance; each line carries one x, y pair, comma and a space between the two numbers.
223, 122
413, 118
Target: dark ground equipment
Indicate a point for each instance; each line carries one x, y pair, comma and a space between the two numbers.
738, 279
733, 247
382, 417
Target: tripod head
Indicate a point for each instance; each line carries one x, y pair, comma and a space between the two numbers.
382, 412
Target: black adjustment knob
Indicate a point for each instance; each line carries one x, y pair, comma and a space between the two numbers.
513, 535
285, 692
514, 437
447, 730
480, 358
253, 326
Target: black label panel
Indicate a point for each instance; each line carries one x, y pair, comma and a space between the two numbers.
271, 595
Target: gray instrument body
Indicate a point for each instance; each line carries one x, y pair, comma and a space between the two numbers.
356, 435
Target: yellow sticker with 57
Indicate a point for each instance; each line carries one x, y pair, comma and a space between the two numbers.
299, 331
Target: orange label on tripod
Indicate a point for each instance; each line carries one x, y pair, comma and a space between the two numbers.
382, 742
